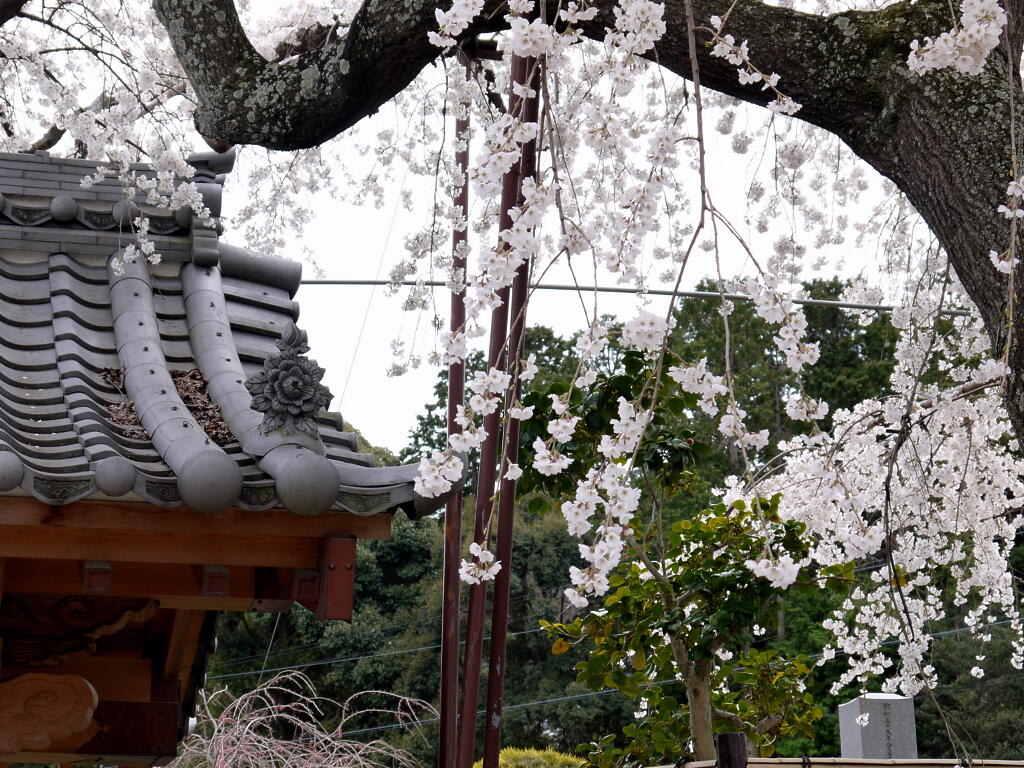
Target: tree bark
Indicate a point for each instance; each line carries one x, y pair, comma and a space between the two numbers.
698, 699
9, 9
943, 139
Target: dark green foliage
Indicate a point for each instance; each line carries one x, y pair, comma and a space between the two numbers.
985, 715
706, 602
398, 582
855, 363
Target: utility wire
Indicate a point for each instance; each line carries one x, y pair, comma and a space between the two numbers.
323, 662
522, 705
651, 292
397, 625
607, 691
402, 651
369, 301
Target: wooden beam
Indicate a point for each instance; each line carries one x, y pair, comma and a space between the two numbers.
337, 566
176, 643
182, 646
129, 733
172, 585
118, 545
131, 516
114, 678
3, 568
188, 656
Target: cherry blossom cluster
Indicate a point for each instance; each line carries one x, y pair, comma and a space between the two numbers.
781, 571
483, 566
604, 501
645, 332
1003, 261
775, 306
603, 505
1006, 261
454, 21
725, 47
444, 468
966, 47
438, 473
698, 380
923, 478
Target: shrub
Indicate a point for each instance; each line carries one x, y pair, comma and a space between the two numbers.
510, 757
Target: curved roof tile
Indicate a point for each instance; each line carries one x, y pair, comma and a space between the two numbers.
92, 359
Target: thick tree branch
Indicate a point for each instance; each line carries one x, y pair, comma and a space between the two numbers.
729, 717
943, 138
305, 100
1015, 26
54, 134
318, 94
9, 9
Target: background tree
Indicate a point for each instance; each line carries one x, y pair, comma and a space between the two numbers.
393, 640
855, 364
398, 581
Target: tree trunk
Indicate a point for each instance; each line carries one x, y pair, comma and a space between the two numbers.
698, 698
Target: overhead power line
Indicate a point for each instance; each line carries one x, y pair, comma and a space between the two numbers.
522, 705
651, 292
420, 622
607, 691
324, 662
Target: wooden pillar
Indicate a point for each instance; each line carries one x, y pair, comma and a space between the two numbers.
732, 750
337, 568
2, 563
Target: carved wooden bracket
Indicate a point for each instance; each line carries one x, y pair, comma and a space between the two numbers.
41, 631
36, 710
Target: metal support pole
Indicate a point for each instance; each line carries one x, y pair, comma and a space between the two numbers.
507, 497
487, 474
450, 604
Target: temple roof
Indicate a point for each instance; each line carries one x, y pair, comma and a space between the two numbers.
130, 380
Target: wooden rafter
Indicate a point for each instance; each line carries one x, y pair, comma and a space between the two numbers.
123, 532
171, 585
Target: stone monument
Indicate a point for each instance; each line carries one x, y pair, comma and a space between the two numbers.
889, 734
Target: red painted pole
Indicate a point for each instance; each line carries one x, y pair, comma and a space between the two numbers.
507, 497
488, 470
450, 605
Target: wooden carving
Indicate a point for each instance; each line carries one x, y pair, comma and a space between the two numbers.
36, 710
41, 631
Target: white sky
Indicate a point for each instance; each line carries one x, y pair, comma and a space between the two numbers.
362, 242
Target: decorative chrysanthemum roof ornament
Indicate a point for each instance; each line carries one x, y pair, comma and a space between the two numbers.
288, 391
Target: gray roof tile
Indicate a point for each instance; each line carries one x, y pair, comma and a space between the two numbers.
84, 346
